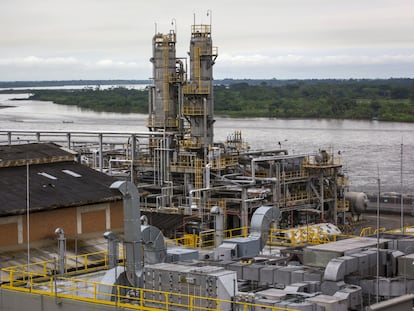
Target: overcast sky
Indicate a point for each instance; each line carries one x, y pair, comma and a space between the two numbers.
282, 39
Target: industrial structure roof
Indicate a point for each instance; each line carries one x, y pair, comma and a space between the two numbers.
35, 153
54, 183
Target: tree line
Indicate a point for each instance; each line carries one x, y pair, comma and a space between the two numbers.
387, 100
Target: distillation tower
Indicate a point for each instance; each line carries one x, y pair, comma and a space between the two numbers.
180, 170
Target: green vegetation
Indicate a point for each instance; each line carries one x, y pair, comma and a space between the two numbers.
387, 100
110, 100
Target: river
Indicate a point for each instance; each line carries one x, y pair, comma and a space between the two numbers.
366, 147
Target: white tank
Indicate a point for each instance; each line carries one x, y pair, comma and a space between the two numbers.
358, 201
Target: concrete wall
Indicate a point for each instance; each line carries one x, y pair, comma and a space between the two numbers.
74, 221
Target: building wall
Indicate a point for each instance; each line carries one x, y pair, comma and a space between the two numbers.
75, 221
9, 231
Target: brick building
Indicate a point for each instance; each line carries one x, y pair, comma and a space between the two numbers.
61, 193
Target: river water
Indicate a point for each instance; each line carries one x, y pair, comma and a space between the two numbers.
366, 147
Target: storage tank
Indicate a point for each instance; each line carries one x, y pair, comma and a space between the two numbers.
358, 201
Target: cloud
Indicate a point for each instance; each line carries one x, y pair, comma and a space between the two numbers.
34, 61
308, 60
305, 64
109, 63
63, 68
31, 61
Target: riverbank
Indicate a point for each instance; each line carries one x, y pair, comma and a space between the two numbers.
389, 100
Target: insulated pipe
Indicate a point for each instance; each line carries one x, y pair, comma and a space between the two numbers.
62, 250
218, 214
271, 158
132, 231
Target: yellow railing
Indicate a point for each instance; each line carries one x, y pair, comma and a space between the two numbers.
74, 265
281, 237
207, 239
223, 162
342, 206
295, 174
303, 236
314, 162
196, 88
370, 231
190, 144
295, 197
193, 111
127, 297
161, 124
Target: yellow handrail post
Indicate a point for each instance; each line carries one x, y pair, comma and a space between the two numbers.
141, 297
11, 277
51, 285
118, 295
105, 259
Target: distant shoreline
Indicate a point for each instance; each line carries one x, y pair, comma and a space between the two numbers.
6, 106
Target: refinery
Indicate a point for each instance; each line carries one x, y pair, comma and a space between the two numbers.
208, 225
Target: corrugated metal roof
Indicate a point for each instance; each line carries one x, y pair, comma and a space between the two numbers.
37, 153
51, 186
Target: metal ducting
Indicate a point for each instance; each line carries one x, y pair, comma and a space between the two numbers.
218, 214
260, 223
132, 231
154, 245
113, 248
335, 270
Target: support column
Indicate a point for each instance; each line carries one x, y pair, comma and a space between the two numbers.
100, 152
133, 153
244, 213
68, 136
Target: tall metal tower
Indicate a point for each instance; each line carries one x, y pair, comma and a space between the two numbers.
198, 92
165, 93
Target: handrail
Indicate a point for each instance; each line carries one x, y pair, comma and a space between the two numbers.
207, 239
303, 236
83, 263
128, 297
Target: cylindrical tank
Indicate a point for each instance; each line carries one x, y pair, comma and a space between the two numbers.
358, 201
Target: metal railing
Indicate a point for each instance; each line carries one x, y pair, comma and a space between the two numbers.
300, 237
207, 239
127, 297
84, 263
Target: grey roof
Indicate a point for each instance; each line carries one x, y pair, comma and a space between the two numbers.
53, 185
36, 153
